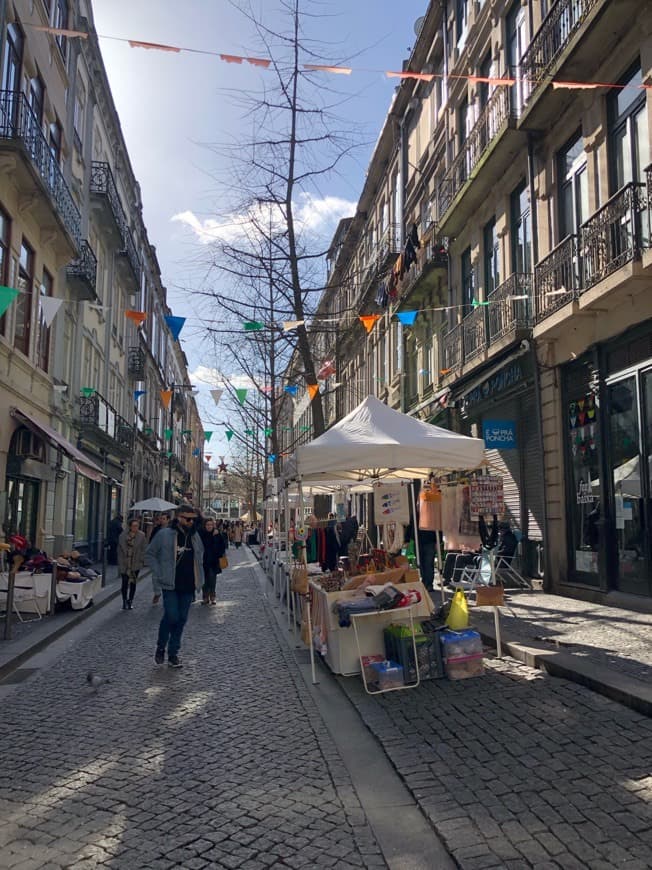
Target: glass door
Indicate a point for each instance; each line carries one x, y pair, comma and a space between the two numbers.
629, 487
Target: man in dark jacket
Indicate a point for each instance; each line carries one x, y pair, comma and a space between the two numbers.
112, 538
176, 558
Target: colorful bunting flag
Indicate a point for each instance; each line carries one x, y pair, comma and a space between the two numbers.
222, 466
326, 370
148, 430
88, 391
7, 296
313, 389
249, 431
186, 431
167, 433
166, 398
253, 326
136, 317
241, 394
196, 452
272, 457
407, 318
268, 432
368, 321
292, 389
49, 308
217, 395
136, 43
138, 394
175, 325
229, 434
208, 435
292, 324
169, 454
208, 457
306, 428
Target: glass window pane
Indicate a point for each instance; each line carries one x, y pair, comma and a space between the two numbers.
641, 143
623, 157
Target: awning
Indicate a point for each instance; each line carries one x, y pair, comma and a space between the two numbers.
82, 463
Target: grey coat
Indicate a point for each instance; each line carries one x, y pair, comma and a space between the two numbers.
160, 557
137, 554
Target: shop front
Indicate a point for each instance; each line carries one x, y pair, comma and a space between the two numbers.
501, 407
607, 427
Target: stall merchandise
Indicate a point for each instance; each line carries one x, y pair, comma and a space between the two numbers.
462, 654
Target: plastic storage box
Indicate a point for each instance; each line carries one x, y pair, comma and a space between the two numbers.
462, 654
389, 675
399, 648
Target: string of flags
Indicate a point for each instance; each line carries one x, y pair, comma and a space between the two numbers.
337, 69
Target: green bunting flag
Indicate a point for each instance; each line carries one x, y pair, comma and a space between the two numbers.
7, 296
253, 326
242, 395
208, 435
229, 434
148, 430
268, 432
305, 428
169, 454
167, 433
88, 391
186, 431
249, 431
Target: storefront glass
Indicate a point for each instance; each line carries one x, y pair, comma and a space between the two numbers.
82, 508
22, 507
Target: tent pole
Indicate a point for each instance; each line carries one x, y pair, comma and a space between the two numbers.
440, 565
415, 526
304, 558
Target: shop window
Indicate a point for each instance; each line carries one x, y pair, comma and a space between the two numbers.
521, 230
582, 435
573, 187
628, 131
43, 340
5, 241
23, 303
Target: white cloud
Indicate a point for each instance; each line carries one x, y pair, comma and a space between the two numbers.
208, 378
316, 216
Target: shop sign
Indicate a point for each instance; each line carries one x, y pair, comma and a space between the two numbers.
499, 434
584, 492
495, 385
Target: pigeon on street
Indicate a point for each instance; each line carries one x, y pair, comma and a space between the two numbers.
95, 681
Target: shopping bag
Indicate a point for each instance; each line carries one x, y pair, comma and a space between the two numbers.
299, 579
458, 615
224, 563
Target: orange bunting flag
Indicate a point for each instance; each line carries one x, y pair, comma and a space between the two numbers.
491, 80
368, 321
136, 43
575, 86
166, 398
231, 58
136, 317
313, 389
259, 61
338, 70
422, 77
445, 371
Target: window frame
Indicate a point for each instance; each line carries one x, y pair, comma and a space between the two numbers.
617, 122
5, 258
24, 300
42, 348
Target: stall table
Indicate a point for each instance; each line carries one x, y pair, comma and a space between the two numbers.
79, 593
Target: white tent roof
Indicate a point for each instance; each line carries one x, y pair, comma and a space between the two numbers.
376, 441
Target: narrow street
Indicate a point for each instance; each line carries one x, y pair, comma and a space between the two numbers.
230, 763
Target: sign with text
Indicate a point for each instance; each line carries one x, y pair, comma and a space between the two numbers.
499, 434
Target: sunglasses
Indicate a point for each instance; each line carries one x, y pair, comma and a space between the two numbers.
187, 518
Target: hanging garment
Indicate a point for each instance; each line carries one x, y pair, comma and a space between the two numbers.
382, 296
414, 236
410, 255
430, 509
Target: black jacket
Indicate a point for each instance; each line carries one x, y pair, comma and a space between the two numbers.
214, 549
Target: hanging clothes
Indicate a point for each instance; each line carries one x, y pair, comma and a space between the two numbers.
382, 296
414, 236
409, 256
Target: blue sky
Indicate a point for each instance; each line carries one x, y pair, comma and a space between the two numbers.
172, 106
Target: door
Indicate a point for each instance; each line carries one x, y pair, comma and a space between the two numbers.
630, 482
22, 506
516, 45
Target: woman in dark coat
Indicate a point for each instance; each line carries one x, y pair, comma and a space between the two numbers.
214, 549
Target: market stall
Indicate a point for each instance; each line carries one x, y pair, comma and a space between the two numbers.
373, 444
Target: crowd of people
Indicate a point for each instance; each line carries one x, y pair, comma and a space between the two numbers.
185, 555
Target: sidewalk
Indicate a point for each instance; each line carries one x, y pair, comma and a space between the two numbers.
607, 649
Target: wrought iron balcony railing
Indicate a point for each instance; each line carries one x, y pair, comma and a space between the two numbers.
84, 268
103, 184
614, 235
95, 412
18, 123
136, 363
452, 349
130, 253
565, 18
509, 306
474, 329
495, 115
556, 278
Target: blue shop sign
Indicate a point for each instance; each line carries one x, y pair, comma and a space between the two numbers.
499, 434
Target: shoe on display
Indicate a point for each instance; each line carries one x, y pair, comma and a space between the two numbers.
159, 656
174, 662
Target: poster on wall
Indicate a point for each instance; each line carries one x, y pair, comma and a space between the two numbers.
486, 497
391, 503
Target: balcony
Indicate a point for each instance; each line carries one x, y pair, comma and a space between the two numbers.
464, 181
420, 281
136, 363
103, 187
82, 273
452, 349
556, 279
108, 428
20, 131
129, 260
509, 307
474, 332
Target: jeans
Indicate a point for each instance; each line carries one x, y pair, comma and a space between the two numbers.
175, 613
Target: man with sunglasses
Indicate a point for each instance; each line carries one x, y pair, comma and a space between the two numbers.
176, 558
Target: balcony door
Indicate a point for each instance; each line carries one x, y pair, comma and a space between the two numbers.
573, 187
628, 132
12, 65
516, 27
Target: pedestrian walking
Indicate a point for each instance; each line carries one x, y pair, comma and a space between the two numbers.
160, 522
131, 558
237, 535
214, 549
176, 558
112, 538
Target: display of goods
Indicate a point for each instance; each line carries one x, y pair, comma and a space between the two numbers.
366, 661
462, 653
330, 582
399, 647
389, 675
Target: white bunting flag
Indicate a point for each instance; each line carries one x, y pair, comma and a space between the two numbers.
217, 395
292, 324
49, 308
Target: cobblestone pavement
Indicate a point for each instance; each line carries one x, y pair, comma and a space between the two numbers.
225, 763
517, 769
618, 639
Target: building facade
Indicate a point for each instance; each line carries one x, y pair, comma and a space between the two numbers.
83, 431
502, 240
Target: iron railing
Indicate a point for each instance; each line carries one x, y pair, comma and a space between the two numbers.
556, 278
103, 184
130, 253
474, 328
388, 246
558, 27
84, 267
614, 235
18, 123
491, 122
96, 412
453, 349
136, 363
509, 306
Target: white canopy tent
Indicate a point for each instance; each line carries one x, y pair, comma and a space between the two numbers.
374, 441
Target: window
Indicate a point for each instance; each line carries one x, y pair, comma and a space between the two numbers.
23, 305
78, 116
521, 230
37, 98
516, 45
13, 60
43, 341
87, 362
484, 71
573, 187
55, 141
5, 240
464, 125
461, 21
61, 21
468, 284
491, 258
628, 134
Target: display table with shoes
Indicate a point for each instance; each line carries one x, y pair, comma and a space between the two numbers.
79, 592
31, 592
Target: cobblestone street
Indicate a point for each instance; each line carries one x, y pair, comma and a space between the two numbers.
225, 763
